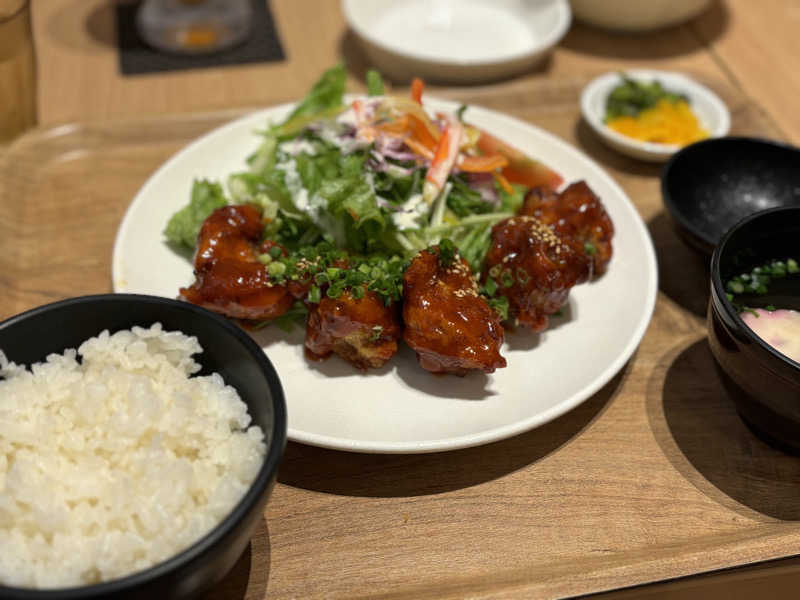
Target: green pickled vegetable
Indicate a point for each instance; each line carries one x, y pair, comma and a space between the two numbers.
631, 97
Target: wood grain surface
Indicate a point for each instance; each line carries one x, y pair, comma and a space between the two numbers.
654, 477
751, 44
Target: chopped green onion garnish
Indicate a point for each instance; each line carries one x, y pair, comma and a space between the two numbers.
490, 287
499, 305
276, 268
735, 287
447, 252
757, 280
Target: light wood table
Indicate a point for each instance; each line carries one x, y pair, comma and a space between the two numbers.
749, 45
754, 45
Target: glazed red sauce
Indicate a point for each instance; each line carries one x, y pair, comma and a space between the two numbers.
577, 213
543, 267
362, 331
228, 276
451, 328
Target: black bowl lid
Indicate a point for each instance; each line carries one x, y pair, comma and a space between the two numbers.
709, 186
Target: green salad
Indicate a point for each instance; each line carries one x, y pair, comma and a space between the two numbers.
377, 180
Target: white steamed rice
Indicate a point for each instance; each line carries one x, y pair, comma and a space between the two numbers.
119, 462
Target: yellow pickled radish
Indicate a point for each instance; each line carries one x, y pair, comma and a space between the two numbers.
668, 122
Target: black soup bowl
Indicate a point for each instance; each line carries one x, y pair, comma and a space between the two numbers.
710, 185
764, 383
227, 350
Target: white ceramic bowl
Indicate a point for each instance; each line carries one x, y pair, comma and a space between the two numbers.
636, 15
710, 110
462, 41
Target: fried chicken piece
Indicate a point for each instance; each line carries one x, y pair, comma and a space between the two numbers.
576, 212
229, 279
362, 331
450, 327
534, 268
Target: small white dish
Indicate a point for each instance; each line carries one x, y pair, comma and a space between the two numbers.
636, 17
463, 41
710, 110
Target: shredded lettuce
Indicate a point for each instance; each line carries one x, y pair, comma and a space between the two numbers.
464, 200
326, 93
338, 185
374, 83
315, 185
184, 225
512, 202
324, 100
263, 159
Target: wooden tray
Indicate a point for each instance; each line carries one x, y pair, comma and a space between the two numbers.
654, 477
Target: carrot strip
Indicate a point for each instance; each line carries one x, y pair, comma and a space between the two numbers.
441, 158
421, 132
419, 148
416, 89
482, 164
398, 126
397, 106
409, 127
503, 183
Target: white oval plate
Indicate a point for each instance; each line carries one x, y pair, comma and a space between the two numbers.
710, 110
457, 40
401, 408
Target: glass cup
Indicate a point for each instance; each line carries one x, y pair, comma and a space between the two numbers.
194, 26
17, 70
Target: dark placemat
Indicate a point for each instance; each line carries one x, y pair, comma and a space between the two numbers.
136, 57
